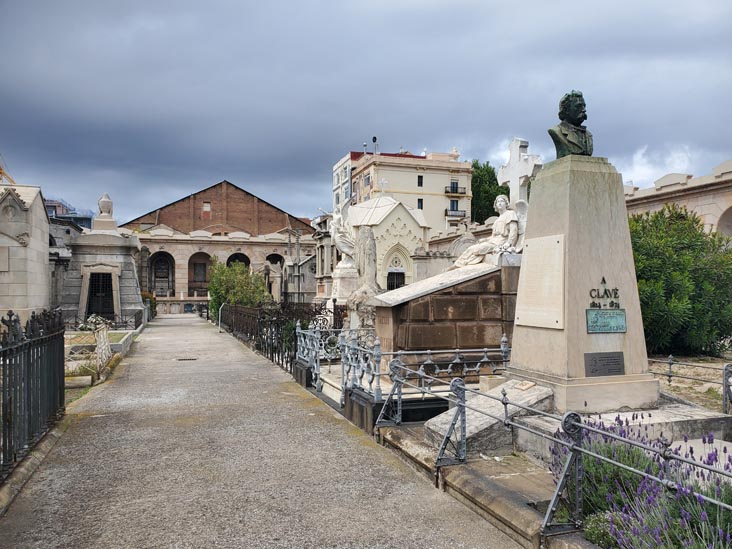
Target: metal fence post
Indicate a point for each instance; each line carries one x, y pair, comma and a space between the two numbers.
377, 368
573, 467
726, 386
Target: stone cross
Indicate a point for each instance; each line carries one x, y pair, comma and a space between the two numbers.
520, 168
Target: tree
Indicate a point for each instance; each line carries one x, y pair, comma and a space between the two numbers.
236, 285
485, 189
684, 282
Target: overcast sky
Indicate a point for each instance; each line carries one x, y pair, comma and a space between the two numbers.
153, 100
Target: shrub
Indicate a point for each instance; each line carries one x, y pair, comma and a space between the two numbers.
236, 285
684, 282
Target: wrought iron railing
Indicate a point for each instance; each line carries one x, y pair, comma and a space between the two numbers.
315, 346
31, 383
450, 189
271, 328
361, 359
670, 372
128, 321
454, 213
573, 435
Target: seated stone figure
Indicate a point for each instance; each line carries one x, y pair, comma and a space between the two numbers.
503, 238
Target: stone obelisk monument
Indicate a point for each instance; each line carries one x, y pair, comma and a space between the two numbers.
578, 326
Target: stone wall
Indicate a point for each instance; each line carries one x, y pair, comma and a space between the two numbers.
229, 209
24, 239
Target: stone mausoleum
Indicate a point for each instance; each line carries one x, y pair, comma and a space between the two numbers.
24, 239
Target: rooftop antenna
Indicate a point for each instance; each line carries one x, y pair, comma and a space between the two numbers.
375, 141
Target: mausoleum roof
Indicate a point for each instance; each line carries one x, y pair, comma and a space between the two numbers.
431, 285
374, 211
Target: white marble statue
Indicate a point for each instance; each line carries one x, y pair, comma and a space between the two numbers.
507, 235
343, 238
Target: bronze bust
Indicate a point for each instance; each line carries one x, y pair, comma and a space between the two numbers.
570, 136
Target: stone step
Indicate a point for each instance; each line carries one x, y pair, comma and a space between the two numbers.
486, 434
77, 382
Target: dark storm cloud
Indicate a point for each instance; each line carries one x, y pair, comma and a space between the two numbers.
151, 101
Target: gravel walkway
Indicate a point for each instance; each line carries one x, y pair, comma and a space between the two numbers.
198, 442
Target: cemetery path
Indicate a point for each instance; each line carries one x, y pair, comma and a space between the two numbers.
198, 442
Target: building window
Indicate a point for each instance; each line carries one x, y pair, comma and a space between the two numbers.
367, 181
453, 205
206, 206
338, 198
199, 272
394, 281
453, 185
420, 180
420, 204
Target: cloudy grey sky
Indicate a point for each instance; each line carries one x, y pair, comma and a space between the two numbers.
152, 100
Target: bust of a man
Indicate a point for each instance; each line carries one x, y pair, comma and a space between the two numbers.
570, 136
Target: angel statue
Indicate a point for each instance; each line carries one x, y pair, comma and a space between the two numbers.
343, 238
507, 235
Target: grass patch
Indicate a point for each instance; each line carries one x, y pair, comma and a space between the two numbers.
72, 395
87, 338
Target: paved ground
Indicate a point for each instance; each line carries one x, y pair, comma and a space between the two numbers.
224, 451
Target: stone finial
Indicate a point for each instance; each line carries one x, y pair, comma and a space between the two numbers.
105, 205
104, 221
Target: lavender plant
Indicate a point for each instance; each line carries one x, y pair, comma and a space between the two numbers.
641, 511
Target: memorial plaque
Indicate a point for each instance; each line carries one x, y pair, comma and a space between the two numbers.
604, 364
606, 321
541, 283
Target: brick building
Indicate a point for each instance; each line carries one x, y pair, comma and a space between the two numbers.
180, 239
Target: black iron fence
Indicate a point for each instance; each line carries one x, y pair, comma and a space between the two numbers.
270, 328
128, 321
31, 383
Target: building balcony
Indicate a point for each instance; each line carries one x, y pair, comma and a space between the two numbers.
198, 289
455, 190
454, 213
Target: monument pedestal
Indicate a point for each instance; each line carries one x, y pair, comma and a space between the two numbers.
578, 326
345, 281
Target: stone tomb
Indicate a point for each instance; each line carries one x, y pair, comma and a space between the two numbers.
102, 274
578, 326
470, 307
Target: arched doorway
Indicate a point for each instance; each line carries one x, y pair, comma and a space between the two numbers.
161, 273
724, 225
398, 267
199, 271
276, 259
238, 258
